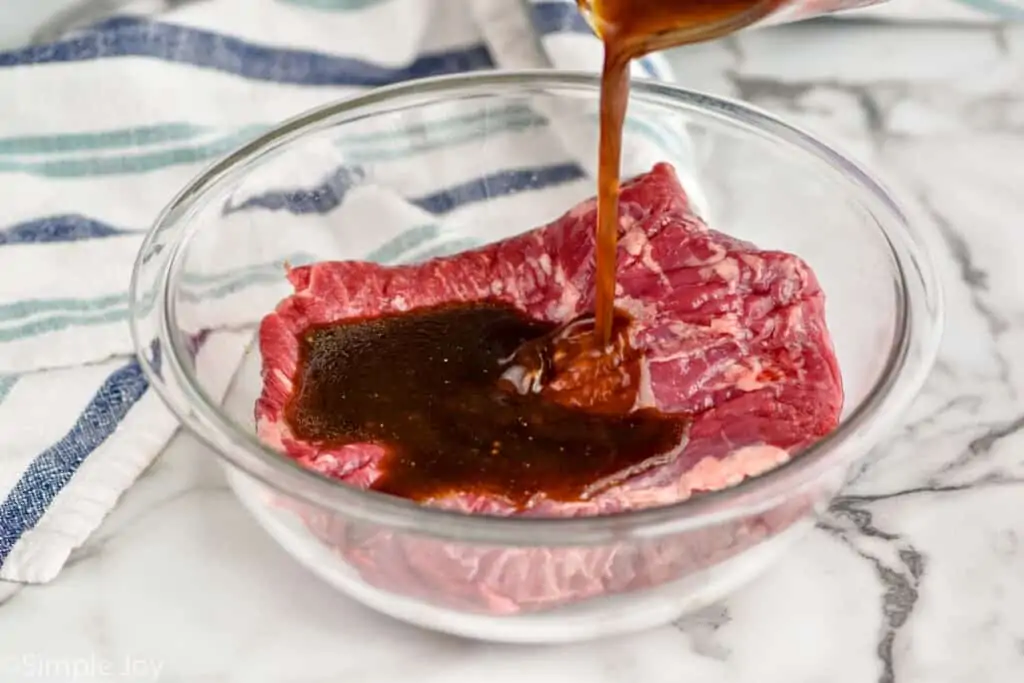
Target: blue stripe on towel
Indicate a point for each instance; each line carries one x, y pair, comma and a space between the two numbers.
650, 67
499, 185
134, 37
53, 469
558, 17
66, 228
321, 198
328, 195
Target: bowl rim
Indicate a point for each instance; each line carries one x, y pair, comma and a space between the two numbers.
893, 390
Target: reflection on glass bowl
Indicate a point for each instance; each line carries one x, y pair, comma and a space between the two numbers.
432, 167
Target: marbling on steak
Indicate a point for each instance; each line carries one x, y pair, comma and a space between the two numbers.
732, 334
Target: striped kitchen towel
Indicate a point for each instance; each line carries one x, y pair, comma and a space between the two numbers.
102, 127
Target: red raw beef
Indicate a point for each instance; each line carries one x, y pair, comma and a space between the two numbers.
733, 335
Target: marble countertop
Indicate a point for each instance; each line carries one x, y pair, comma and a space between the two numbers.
915, 576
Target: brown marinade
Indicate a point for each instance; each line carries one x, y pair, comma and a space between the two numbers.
478, 398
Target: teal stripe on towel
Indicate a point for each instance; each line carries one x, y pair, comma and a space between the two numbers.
44, 316
117, 138
129, 163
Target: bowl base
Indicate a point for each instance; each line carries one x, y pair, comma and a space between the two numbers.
588, 620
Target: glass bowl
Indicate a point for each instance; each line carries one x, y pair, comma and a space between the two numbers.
405, 173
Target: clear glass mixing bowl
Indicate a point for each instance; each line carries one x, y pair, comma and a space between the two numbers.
431, 167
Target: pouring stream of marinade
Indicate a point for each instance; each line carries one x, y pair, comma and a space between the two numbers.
631, 29
475, 396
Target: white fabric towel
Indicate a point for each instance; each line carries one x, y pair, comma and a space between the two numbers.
143, 104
